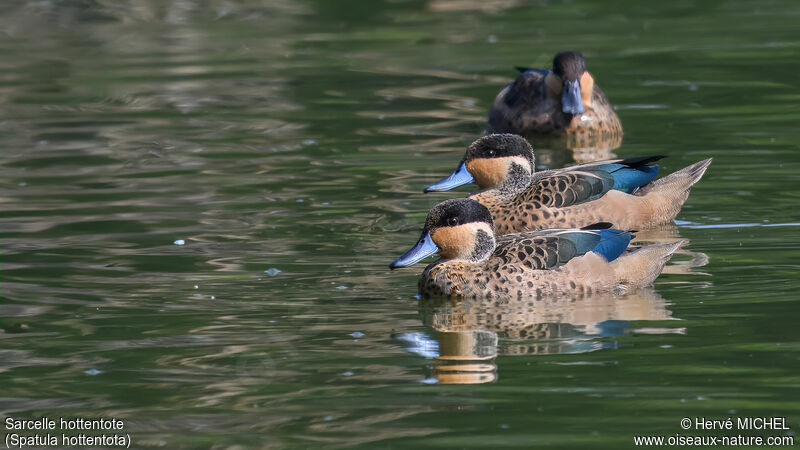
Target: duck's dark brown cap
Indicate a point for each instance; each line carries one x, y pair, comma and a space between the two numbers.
569, 65
503, 145
466, 210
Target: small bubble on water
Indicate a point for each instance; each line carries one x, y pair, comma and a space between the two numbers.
328, 418
357, 334
271, 321
309, 142
299, 200
341, 288
93, 371
22, 184
347, 271
348, 374
326, 203
504, 426
429, 381
196, 286
665, 346
272, 271
179, 242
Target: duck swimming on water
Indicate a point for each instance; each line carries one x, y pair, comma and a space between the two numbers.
619, 191
475, 263
562, 101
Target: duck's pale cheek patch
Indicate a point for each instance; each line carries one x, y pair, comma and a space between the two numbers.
454, 242
520, 161
488, 172
587, 88
554, 86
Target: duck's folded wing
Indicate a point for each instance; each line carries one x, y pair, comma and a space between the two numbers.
531, 69
567, 188
629, 174
545, 249
524, 92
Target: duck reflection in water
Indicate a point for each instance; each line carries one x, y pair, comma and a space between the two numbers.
552, 153
468, 335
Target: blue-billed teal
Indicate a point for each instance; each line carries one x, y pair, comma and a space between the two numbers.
561, 101
620, 191
475, 263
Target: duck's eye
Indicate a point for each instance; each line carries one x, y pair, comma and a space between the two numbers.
453, 221
490, 153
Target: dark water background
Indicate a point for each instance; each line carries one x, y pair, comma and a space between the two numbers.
298, 136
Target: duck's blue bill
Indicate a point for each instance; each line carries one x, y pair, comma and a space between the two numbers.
422, 249
459, 177
571, 102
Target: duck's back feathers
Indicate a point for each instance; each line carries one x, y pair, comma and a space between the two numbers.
531, 69
524, 92
598, 226
638, 161
563, 189
524, 108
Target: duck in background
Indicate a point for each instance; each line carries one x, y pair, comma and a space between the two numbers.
620, 191
476, 264
561, 101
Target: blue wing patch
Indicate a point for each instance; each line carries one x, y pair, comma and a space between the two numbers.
633, 173
612, 243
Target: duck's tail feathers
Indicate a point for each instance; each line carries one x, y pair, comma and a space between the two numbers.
682, 180
640, 266
668, 194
